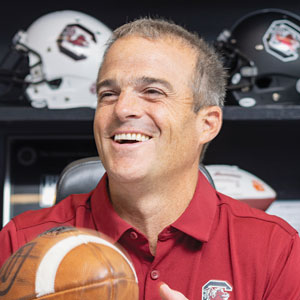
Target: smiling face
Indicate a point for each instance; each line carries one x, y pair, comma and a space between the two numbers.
144, 125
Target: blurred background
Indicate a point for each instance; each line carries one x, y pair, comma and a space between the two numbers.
207, 18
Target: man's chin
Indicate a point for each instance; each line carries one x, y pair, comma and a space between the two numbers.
127, 175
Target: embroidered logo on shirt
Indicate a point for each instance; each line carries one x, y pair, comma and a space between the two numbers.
216, 290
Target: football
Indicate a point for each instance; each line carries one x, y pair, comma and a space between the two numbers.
69, 263
242, 185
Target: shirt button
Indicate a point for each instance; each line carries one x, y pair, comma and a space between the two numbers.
133, 235
154, 274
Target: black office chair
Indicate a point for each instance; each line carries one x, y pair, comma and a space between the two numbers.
82, 175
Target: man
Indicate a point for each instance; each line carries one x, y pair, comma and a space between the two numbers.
160, 91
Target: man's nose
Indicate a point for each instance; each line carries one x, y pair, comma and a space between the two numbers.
128, 106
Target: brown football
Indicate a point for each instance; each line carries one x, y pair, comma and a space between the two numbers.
69, 263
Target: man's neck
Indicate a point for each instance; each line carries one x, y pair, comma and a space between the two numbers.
150, 207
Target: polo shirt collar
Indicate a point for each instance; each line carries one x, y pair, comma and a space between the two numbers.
105, 218
196, 220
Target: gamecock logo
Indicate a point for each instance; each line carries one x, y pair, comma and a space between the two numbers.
76, 41
216, 290
282, 40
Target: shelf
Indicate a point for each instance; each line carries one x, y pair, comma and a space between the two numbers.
231, 113
262, 113
23, 114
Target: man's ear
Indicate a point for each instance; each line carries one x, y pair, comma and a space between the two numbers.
209, 123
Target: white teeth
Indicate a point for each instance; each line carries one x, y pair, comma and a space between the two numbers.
131, 137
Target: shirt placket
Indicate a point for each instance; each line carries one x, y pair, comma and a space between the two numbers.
155, 270
148, 267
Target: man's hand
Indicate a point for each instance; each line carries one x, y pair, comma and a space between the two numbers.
168, 294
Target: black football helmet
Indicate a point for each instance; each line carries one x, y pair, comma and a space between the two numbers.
261, 53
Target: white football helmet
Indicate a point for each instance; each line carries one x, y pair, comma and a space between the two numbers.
65, 50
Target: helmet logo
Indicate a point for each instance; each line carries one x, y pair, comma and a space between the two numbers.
75, 41
282, 40
216, 290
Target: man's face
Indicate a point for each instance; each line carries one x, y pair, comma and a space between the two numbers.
144, 124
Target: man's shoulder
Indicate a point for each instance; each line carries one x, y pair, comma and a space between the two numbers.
253, 218
61, 213
72, 211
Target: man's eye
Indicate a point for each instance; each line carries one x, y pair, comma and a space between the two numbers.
106, 95
153, 91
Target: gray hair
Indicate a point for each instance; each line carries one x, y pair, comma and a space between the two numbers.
209, 80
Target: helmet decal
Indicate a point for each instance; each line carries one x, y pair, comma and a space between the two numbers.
282, 40
75, 41
216, 290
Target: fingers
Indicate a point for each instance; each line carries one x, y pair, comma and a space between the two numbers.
168, 294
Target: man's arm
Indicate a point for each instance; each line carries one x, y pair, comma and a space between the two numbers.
285, 282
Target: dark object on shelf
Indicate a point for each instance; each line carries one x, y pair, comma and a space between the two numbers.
261, 53
14, 67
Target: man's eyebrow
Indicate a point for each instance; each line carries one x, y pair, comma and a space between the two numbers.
106, 83
150, 80
144, 80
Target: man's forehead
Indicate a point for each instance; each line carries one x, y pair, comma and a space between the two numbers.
136, 58
168, 41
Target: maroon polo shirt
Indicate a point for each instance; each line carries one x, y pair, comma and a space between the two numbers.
219, 248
